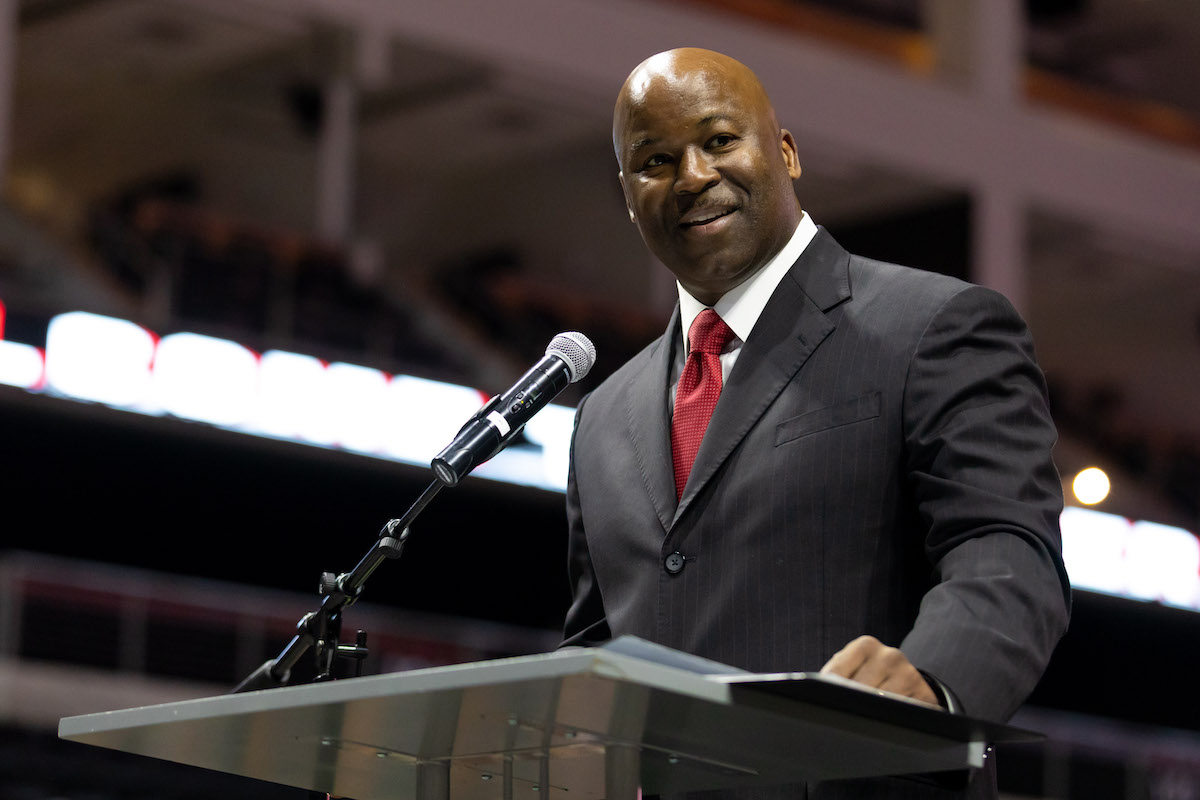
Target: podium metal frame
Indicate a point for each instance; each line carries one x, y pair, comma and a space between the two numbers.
578, 724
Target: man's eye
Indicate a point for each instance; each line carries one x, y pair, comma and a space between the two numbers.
655, 161
721, 140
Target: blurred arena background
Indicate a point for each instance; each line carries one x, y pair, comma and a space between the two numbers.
398, 190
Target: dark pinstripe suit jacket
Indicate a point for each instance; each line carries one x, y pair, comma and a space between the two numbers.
878, 462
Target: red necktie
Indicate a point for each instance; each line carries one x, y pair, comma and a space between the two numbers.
699, 388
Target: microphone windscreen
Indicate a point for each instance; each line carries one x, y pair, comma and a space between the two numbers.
576, 350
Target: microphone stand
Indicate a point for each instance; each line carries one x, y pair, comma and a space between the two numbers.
321, 629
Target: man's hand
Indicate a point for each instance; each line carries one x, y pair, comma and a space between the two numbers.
869, 661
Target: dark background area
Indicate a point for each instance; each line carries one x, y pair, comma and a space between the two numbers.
97, 484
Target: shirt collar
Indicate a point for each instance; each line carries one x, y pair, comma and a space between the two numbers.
742, 305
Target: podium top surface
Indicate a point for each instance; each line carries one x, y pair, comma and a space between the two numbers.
555, 719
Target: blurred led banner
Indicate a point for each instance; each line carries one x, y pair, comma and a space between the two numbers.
1128, 558
281, 395
402, 418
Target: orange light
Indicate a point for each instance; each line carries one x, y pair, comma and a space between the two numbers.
1091, 486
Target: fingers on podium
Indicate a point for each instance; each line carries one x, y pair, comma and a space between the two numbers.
868, 661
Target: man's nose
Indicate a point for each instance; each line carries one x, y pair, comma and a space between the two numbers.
696, 172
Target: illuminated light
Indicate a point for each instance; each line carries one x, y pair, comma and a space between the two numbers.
205, 379
551, 429
1094, 549
1163, 564
1091, 486
519, 464
290, 391
1140, 560
100, 359
21, 365
354, 408
281, 395
424, 416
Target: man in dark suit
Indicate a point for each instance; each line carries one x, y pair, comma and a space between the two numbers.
874, 494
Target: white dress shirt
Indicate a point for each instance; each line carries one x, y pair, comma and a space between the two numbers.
741, 306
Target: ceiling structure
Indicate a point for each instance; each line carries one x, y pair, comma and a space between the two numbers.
464, 138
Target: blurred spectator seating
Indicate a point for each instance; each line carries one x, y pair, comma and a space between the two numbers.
258, 285
525, 313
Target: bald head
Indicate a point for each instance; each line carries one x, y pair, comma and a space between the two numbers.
683, 72
706, 170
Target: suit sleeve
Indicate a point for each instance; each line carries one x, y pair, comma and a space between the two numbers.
978, 437
585, 624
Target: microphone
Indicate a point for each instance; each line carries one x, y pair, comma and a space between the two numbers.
568, 358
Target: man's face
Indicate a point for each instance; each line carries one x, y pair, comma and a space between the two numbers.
707, 173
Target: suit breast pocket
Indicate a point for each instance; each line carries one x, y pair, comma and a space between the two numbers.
849, 412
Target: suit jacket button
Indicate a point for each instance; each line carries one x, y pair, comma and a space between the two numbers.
674, 563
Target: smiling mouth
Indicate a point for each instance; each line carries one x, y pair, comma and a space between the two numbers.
704, 218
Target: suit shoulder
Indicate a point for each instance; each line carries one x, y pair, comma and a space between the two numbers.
920, 291
872, 274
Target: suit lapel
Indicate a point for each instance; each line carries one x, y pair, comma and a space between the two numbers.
650, 424
792, 325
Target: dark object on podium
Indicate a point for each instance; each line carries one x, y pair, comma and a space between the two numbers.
579, 723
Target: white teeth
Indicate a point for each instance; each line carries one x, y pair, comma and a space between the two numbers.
706, 220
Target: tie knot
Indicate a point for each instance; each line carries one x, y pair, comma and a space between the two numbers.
708, 333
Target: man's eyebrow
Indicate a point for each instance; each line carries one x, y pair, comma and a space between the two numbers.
711, 118
640, 143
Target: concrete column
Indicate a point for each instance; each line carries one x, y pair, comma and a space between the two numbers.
980, 47
948, 26
8, 66
979, 44
336, 156
998, 227
998, 36
998, 243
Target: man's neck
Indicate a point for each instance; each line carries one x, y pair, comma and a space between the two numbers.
742, 305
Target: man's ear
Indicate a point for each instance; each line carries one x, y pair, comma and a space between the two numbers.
625, 192
790, 157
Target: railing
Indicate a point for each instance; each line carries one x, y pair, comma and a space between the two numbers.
141, 636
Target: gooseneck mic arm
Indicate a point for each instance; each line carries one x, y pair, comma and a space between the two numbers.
322, 629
